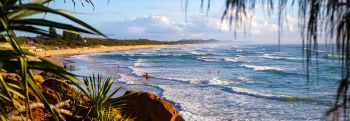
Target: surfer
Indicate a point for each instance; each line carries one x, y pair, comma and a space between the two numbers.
146, 76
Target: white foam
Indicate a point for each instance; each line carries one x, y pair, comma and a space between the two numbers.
259, 93
209, 59
137, 71
229, 59
197, 53
81, 57
262, 68
334, 56
181, 78
193, 102
192, 117
141, 63
218, 81
291, 58
242, 79
268, 56
212, 104
129, 79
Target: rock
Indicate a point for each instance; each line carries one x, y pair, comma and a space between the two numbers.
39, 79
51, 95
54, 90
144, 106
59, 85
40, 115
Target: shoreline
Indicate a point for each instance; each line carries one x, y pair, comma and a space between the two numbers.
57, 55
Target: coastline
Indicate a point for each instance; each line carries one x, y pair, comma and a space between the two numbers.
57, 55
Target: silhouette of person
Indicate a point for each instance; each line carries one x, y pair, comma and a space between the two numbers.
118, 67
146, 76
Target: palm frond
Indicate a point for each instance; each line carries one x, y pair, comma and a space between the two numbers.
14, 16
100, 92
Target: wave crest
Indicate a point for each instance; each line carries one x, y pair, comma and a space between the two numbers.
262, 68
266, 95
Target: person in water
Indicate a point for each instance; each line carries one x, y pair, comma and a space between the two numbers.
146, 76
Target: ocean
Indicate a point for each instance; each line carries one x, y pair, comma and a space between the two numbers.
225, 81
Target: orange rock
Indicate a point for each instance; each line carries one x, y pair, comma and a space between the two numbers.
39, 115
54, 90
39, 79
59, 85
144, 106
51, 95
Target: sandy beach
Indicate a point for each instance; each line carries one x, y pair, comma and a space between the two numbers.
56, 55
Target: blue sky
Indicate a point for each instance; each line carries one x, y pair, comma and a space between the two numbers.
166, 20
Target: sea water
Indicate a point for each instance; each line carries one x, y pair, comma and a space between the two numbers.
225, 81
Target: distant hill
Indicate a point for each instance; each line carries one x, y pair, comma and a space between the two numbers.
197, 41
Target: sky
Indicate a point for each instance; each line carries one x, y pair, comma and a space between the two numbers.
166, 20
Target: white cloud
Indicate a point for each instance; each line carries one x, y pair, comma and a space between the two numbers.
197, 27
136, 30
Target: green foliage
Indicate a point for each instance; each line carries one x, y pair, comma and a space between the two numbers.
108, 113
44, 42
18, 16
100, 91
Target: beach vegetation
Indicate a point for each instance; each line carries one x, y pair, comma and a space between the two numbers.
100, 92
19, 89
74, 40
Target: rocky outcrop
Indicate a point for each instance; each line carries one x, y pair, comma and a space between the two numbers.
54, 90
144, 106
137, 105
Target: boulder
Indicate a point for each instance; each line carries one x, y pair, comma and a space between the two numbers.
59, 85
54, 90
39, 79
144, 106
